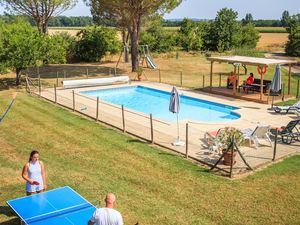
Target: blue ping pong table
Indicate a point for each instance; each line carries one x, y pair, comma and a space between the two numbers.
61, 206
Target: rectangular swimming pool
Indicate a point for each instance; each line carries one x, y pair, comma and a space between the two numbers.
149, 100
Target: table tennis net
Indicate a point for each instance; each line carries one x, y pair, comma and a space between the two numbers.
58, 213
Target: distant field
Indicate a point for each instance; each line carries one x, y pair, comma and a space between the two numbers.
70, 30
272, 41
260, 29
269, 41
271, 29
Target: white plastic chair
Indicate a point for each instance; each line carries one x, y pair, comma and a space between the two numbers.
258, 136
211, 139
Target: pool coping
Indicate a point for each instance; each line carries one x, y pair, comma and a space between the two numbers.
184, 94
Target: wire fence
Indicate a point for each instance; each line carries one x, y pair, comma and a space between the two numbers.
51, 75
146, 127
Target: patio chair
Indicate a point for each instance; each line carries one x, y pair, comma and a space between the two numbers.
288, 133
259, 136
287, 109
211, 139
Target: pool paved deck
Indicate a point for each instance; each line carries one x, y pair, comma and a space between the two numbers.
165, 133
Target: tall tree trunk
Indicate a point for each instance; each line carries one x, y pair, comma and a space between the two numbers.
45, 27
125, 45
135, 35
134, 46
18, 75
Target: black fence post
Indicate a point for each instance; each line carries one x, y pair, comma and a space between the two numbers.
73, 93
97, 110
123, 119
187, 140
151, 126
55, 97
298, 84
275, 145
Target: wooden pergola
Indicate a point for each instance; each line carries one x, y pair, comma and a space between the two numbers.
252, 61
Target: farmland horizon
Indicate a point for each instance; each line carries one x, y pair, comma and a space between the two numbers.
207, 9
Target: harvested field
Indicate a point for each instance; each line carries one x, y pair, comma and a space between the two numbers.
272, 41
72, 32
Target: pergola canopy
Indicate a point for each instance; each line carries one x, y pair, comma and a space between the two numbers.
254, 61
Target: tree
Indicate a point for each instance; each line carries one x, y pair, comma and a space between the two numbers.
128, 15
156, 37
40, 10
285, 18
250, 36
94, 42
248, 19
23, 46
293, 45
226, 30
190, 35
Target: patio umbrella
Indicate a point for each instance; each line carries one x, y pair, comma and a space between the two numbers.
276, 84
174, 107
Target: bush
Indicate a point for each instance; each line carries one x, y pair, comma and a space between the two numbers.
293, 45
157, 38
94, 42
226, 32
190, 38
250, 36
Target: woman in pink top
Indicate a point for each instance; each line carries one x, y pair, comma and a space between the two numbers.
34, 173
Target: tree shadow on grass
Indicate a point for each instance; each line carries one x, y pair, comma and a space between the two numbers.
14, 221
136, 141
7, 211
7, 83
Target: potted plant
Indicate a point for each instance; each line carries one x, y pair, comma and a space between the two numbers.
139, 73
225, 139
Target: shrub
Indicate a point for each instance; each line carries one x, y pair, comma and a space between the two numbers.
94, 42
250, 36
157, 38
293, 45
190, 37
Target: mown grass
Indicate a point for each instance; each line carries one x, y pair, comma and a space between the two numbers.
152, 186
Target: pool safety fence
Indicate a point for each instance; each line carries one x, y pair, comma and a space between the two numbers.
47, 76
149, 128
146, 127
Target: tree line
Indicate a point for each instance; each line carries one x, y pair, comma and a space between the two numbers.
83, 21
138, 22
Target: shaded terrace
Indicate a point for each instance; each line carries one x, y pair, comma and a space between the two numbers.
238, 61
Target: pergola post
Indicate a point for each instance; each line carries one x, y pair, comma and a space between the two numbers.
261, 82
289, 79
211, 73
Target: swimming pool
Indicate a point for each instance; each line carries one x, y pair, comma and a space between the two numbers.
149, 100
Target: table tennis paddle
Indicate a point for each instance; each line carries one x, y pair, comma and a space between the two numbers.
35, 183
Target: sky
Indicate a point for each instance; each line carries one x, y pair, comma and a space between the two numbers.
207, 9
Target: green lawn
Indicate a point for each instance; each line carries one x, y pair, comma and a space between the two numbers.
152, 186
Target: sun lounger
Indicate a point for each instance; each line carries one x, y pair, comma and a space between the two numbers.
211, 139
287, 109
288, 133
259, 136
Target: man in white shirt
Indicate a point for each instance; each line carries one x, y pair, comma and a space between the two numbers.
107, 215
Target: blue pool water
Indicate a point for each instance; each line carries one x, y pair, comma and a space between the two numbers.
148, 100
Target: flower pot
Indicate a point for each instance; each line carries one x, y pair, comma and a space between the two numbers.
227, 158
139, 77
